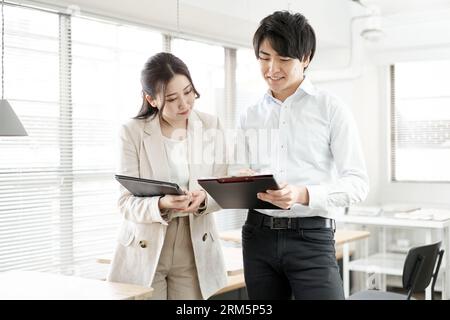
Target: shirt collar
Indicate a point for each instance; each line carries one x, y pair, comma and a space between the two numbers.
306, 87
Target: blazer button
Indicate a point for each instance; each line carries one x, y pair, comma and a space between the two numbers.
205, 236
143, 244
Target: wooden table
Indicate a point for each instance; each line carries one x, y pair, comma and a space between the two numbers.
342, 238
32, 285
234, 264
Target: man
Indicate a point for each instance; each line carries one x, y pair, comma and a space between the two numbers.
317, 157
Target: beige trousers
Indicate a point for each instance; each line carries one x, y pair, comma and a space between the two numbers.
176, 274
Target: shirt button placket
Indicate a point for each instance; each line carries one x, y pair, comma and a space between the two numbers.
283, 137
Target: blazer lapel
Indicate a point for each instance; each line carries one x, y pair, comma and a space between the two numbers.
154, 147
195, 148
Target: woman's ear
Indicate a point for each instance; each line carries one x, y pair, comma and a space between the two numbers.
151, 101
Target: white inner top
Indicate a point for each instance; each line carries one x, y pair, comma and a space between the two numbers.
177, 156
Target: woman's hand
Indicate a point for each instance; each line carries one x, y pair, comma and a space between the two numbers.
197, 198
172, 202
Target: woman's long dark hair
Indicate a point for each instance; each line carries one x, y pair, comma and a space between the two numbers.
156, 74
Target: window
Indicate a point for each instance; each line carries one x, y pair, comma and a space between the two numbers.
107, 59
250, 86
206, 65
31, 175
72, 81
420, 136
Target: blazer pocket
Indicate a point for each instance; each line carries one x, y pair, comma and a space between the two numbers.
126, 234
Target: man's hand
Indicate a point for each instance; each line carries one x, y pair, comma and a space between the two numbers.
286, 197
246, 172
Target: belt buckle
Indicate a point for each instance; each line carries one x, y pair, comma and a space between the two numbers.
278, 226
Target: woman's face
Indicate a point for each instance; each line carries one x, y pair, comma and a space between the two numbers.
179, 99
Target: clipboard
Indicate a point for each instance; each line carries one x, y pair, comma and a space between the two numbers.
240, 192
148, 188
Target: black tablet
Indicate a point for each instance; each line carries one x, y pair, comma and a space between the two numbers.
240, 192
148, 188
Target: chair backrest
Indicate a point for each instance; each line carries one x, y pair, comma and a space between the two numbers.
419, 266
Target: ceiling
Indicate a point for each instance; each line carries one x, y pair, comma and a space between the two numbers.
393, 7
250, 9
234, 22
329, 18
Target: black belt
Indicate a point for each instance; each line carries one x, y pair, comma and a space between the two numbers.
259, 219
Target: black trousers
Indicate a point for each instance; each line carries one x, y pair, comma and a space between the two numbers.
290, 263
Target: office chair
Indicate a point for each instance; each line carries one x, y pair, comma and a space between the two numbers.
417, 274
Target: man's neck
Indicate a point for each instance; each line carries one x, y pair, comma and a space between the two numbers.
282, 96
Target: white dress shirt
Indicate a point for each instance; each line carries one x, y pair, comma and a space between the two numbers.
309, 140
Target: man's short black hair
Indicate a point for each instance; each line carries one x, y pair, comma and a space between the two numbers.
289, 34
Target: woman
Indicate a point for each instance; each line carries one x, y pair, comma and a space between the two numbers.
170, 243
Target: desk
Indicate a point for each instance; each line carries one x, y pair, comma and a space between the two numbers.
233, 265
32, 285
342, 237
388, 220
235, 282
232, 256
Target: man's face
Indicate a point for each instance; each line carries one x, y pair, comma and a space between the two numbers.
282, 74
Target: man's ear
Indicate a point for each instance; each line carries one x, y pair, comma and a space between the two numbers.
306, 62
151, 100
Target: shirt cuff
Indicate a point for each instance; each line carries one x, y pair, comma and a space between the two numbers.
318, 196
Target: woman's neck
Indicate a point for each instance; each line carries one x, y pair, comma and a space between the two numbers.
174, 129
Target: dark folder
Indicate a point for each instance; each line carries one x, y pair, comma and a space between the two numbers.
148, 188
240, 192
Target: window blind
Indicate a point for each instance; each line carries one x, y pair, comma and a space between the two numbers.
420, 121
72, 81
250, 86
206, 65
107, 59
31, 174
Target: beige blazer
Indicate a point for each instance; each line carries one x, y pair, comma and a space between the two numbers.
141, 235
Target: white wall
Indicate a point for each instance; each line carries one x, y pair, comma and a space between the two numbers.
408, 37
361, 95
